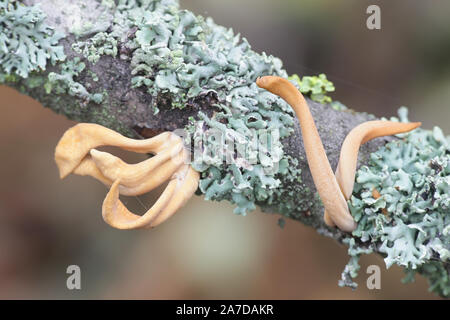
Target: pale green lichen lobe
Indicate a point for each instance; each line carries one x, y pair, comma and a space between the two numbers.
26, 42
93, 48
64, 82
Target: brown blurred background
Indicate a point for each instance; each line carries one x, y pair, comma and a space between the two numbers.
205, 251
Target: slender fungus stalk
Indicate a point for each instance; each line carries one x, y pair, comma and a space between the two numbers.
180, 188
156, 177
346, 168
131, 175
117, 215
187, 179
75, 153
334, 190
87, 167
320, 168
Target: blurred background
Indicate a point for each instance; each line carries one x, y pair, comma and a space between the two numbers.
205, 251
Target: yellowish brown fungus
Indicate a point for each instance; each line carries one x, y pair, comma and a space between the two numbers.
346, 168
131, 175
376, 194
108, 168
79, 140
87, 167
320, 168
334, 190
180, 188
156, 177
75, 153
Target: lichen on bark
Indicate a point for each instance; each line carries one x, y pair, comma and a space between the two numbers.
145, 66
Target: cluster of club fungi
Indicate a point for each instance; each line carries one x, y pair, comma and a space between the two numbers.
76, 153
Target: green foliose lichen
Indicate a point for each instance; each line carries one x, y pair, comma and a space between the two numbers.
65, 82
8, 78
26, 42
233, 161
182, 55
410, 221
96, 18
108, 4
315, 87
93, 48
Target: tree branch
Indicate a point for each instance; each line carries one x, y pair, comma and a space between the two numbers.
111, 78
128, 110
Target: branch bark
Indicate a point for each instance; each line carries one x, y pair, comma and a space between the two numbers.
126, 109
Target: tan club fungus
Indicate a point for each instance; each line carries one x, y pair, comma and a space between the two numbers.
76, 153
346, 168
334, 190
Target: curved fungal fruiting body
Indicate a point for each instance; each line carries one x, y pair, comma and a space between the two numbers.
181, 187
320, 168
77, 142
131, 175
334, 189
346, 168
75, 153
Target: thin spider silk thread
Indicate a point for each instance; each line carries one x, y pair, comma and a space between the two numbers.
348, 83
137, 198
